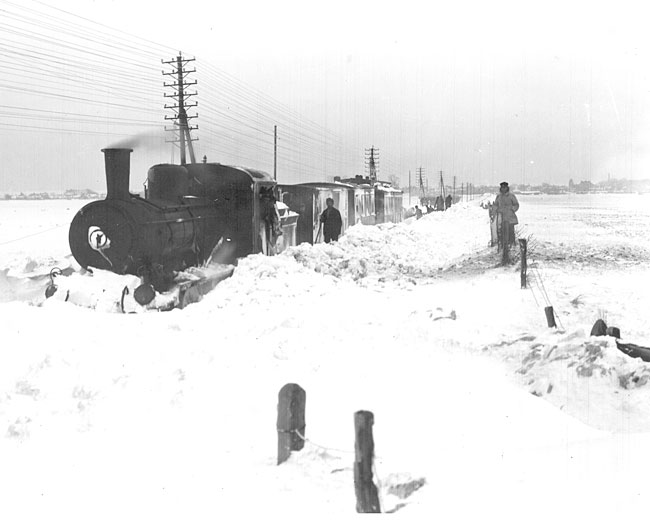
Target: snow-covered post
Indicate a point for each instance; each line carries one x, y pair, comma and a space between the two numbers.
291, 420
364, 449
523, 244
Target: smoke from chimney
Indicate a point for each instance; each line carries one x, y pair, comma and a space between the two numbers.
147, 140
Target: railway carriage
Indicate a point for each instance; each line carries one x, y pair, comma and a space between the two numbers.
308, 200
388, 202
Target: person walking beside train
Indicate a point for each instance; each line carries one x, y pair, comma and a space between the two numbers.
506, 206
331, 221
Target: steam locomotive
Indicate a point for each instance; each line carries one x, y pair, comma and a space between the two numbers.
186, 212
191, 212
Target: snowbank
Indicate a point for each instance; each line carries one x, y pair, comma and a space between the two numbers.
173, 414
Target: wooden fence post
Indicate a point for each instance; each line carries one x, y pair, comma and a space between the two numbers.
291, 420
523, 245
505, 237
550, 317
364, 449
599, 328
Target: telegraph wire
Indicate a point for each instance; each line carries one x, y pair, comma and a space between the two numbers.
78, 85
75, 98
269, 117
58, 112
156, 48
316, 147
69, 63
60, 43
82, 35
280, 107
137, 38
59, 130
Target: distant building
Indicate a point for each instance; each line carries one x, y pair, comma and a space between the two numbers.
80, 194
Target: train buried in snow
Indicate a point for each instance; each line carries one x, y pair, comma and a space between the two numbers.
195, 212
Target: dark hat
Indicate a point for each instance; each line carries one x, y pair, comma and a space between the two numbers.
504, 184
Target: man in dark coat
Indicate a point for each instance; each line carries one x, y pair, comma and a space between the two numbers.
506, 206
331, 221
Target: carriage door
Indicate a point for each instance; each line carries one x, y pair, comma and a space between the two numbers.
341, 203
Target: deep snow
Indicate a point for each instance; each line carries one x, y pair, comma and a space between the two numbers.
173, 414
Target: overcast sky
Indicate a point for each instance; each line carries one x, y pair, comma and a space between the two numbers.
486, 91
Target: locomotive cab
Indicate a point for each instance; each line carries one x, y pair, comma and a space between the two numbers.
246, 200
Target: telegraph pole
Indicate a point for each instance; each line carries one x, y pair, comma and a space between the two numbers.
372, 163
409, 188
421, 182
275, 152
454, 190
180, 95
442, 186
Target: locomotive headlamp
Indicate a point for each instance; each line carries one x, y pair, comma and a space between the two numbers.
97, 239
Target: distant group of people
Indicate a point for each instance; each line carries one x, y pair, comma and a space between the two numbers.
505, 206
440, 204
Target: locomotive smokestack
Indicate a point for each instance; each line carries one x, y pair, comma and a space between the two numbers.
118, 171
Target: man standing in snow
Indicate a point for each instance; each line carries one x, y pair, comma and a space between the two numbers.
507, 205
331, 221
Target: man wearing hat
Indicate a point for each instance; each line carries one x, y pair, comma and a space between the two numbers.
507, 205
331, 222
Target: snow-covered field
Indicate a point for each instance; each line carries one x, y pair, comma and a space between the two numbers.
172, 415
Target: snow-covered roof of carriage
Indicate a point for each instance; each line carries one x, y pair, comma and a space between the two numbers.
390, 189
324, 185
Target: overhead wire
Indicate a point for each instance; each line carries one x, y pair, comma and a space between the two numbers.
71, 62
315, 147
248, 125
279, 107
32, 128
98, 28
